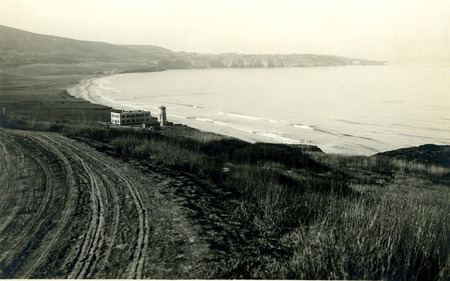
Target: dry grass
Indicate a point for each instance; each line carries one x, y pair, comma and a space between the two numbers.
335, 217
396, 232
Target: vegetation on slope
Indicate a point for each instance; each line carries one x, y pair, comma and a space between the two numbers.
22, 47
424, 154
315, 216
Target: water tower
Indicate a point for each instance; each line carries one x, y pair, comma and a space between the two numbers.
162, 116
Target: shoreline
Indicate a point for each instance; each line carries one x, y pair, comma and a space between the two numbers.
97, 90
81, 90
86, 90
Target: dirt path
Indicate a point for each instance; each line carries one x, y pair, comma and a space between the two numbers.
68, 211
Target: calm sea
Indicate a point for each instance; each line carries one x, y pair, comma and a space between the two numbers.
347, 110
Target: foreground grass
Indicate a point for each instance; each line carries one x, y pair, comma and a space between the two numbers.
399, 231
334, 217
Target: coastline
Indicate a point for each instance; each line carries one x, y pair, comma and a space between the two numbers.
339, 136
84, 90
90, 90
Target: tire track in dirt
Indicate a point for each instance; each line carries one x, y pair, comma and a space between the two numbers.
94, 237
27, 240
66, 212
30, 226
44, 155
6, 179
102, 220
115, 224
6, 183
6, 159
136, 266
39, 219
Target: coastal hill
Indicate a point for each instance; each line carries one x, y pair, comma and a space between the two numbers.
22, 47
18, 47
429, 154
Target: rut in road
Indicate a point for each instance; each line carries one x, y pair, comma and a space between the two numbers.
97, 220
6, 179
33, 197
66, 212
35, 225
70, 211
136, 266
94, 236
11, 151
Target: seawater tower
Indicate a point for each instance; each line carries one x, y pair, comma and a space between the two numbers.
162, 116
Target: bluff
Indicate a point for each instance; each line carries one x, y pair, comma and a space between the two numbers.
18, 47
425, 154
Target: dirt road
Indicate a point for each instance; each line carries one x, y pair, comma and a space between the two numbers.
69, 211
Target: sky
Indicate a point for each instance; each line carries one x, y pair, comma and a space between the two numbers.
393, 30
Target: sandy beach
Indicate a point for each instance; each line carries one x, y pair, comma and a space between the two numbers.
94, 89
88, 90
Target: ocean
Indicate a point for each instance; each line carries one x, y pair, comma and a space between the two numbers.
353, 110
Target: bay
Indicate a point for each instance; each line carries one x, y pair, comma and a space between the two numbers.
356, 110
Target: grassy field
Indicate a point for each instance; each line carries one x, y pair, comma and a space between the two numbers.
38, 91
316, 216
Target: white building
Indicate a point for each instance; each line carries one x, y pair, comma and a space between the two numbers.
132, 117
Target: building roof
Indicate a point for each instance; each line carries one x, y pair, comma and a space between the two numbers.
129, 111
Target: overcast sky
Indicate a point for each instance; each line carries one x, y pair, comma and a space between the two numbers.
395, 30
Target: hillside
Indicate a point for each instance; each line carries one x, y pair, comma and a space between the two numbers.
22, 47
429, 154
